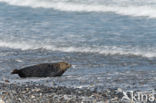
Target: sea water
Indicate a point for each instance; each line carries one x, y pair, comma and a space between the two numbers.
110, 43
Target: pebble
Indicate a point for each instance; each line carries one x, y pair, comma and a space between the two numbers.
43, 94
1, 101
32, 96
119, 90
66, 97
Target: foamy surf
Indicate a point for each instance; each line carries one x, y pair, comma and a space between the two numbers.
70, 6
105, 50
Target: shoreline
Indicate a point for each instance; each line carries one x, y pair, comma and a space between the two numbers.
32, 93
12, 93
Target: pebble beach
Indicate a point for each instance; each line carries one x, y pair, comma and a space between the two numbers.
12, 93
111, 45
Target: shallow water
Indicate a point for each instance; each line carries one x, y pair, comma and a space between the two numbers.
109, 43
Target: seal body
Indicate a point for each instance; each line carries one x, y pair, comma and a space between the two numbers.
43, 70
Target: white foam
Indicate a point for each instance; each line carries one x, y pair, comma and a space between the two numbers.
18, 60
106, 50
63, 5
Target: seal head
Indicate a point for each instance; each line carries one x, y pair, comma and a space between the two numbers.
64, 65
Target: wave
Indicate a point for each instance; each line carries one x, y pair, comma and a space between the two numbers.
105, 50
130, 10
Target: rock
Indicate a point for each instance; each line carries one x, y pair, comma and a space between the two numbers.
1, 101
32, 96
